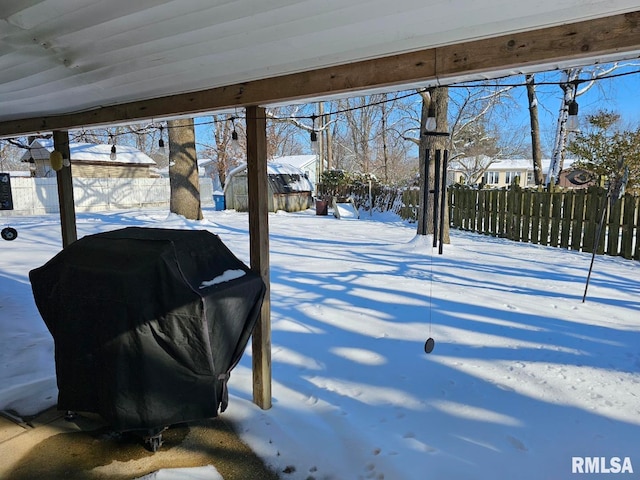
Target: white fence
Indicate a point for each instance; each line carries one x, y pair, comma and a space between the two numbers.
35, 196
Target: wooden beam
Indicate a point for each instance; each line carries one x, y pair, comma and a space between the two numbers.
258, 191
65, 190
576, 42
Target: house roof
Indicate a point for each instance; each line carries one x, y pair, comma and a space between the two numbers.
299, 161
61, 57
89, 152
279, 174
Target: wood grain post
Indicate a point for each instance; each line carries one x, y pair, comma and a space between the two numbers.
258, 193
65, 190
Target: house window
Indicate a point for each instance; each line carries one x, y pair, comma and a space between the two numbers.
529, 178
491, 178
510, 177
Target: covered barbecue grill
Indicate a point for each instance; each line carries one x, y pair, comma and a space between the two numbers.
147, 324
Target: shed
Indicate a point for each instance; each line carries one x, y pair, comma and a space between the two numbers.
92, 160
289, 188
308, 164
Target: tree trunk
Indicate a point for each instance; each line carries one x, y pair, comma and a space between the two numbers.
183, 170
536, 150
440, 98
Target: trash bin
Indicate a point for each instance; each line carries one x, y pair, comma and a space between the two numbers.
322, 207
218, 202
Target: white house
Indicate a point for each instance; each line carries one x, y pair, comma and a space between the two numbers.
501, 173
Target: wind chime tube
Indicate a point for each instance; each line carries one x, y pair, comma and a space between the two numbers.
436, 189
425, 197
443, 198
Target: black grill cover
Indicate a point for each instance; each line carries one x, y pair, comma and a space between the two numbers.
144, 335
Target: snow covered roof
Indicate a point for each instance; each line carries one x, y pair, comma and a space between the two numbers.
273, 168
89, 152
204, 162
300, 161
19, 173
294, 178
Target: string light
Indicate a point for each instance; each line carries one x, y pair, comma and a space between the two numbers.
56, 161
430, 124
161, 145
161, 141
314, 136
113, 155
572, 119
234, 134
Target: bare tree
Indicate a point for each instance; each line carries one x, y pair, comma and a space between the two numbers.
575, 82
366, 136
284, 129
476, 113
361, 115
229, 144
183, 170
11, 150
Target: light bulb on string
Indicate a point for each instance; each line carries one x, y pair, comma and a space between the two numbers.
56, 160
313, 136
161, 141
113, 155
234, 134
430, 124
572, 118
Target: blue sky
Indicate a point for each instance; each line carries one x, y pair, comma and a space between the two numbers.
620, 95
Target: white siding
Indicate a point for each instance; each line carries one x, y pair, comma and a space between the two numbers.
35, 196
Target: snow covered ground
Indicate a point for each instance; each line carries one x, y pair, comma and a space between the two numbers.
523, 377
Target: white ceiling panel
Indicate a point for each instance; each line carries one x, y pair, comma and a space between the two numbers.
63, 56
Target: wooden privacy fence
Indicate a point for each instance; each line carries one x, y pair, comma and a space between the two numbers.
558, 218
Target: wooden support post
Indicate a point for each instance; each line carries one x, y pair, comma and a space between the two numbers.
259, 249
65, 190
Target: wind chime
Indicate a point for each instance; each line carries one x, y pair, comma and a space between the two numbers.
439, 193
